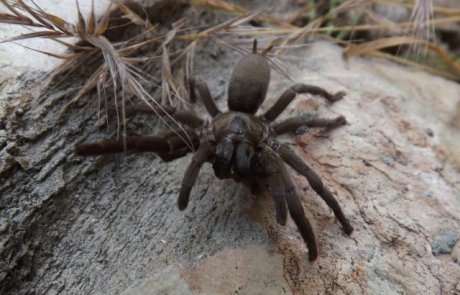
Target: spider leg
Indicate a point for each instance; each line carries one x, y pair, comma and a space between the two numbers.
293, 124
171, 156
290, 94
278, 194
167, 144
272, 171
206, 96
298, 214
185, 117
191, 173
271, 180
315, 182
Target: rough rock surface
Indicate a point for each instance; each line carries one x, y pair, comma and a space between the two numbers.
109, 225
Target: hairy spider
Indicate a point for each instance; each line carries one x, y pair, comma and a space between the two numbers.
239, 144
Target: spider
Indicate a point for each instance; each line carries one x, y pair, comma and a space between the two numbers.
240, 145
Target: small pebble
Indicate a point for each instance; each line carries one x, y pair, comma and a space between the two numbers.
429, 194
367, 163
389, 161
19, 112
429, 132
4, 225
444, 242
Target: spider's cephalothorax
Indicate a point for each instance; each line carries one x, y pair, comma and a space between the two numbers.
239, 144
236, 137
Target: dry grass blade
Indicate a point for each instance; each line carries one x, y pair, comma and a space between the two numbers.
232, 47
64, 71
92, 20
35, 14
318, 29
60, 56
228, 24
381, 20
219, 5
37, 18
103, 24
117, 70
91, 83
309, 29
130, 46
364, 48
16, 20
406, 62
275, 63
72, 46
422, 28
58, 22
40, 34
169, 87
81, 24
136, 19
114, 70
189, 65
315, 25
12, 9
412, 5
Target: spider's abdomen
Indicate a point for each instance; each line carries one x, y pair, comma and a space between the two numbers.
248, 84
237, 135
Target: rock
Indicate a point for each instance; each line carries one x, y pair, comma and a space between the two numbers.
109, 225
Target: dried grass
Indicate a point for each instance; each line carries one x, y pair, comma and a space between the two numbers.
117, 72
341, 23
120, 69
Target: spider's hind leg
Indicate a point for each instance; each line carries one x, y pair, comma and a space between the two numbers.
283, 192
298, 214
285, 99
296, 124
205, 96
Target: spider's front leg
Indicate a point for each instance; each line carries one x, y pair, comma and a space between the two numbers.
168, 146
285, 99
202, 155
